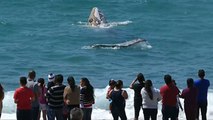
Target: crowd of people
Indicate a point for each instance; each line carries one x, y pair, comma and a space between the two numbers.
147, 97
54, 100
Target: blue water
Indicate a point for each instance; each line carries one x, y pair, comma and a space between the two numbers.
49, 36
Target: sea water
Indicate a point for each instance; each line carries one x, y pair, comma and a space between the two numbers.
53, 36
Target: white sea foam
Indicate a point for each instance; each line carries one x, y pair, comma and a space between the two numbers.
100, 109
106, 25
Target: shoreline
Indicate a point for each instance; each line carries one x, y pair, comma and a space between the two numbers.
101, 105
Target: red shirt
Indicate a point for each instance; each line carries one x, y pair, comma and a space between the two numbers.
23, 97
169, 94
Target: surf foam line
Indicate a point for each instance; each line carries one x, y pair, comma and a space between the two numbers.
101, 106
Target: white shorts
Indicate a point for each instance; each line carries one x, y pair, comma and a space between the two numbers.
43, 107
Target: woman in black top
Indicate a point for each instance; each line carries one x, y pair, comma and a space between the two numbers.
137, 93
86, 98
118, 97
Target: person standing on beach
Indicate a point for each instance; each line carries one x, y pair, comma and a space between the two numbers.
169, 94
137, 86
150, 97
178, 102
32, 84
42, 100
189, 95
86, 98
55, 100
202, 84
112, 84
51, 78
71, 95
118, 97
1, 98
23, 97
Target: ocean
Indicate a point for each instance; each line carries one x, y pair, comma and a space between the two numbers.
52, 36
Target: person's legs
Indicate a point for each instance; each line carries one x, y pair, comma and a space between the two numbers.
89, 113
146, 114
137, 107
169, 112
154, 113
24, 114
173, 113
165, 115
137, 111
59, 114
198, 108
39, 114
204, 110
44, 114
114, 113
122, 114
43, 109
27, 114
18, 114
35, 112
50, 114
86, 114
1, 106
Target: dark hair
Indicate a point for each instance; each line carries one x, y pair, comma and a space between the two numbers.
112, 82
167, 79
32, 74
119, 84
23, 80
59, 78
174, 82
201, 73
89, 91
190, 82
41, 81
140, 78
71, 82
148, 88
1, 92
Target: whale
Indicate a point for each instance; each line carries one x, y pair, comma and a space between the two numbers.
96, 17
119, 45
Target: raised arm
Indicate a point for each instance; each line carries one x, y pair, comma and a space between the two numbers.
124, 94
133, 82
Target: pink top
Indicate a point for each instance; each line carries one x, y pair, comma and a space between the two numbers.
42, 91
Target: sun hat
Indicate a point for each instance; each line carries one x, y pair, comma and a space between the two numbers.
51, 77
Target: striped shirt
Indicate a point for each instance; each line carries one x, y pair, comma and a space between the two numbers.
55, 96
86, 100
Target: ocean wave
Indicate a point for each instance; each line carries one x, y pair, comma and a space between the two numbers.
100, 108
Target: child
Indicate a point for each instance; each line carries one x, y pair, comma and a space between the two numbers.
112, 84
42, 99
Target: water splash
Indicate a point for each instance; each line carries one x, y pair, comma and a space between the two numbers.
106, 25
